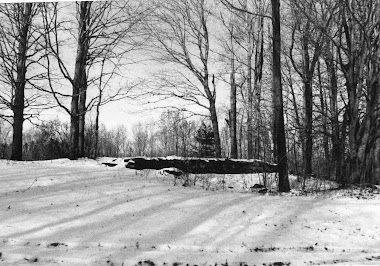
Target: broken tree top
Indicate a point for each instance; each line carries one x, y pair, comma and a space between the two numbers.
201, 165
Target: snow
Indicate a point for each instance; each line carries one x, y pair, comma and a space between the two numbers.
84, 213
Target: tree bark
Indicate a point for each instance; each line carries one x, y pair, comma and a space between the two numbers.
322, 99
79, 85
352, 71
19, 94
82, 114
259, 61
232, 113
279, 126
232, 121
337, 151
100, 90
308, 98
250, 150
309, 65
215, 127
360, 66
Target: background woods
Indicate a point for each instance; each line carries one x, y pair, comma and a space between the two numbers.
291, 82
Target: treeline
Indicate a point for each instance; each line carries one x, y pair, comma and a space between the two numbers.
171, 135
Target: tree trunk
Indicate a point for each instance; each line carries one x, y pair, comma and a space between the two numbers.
250, 99
233, 127
96, 149
298, 126
213, 114
74, 128
79, 84
369, 135
337, 152
82, 114
353, 122
97, 130
18, 120
322, 99
307, 76
308, 98
279, 126
19, 94
215, 128
240, 143
259, 61
232, 113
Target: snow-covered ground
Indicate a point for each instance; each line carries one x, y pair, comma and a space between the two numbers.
84, 213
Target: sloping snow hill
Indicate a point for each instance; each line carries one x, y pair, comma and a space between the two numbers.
84, 213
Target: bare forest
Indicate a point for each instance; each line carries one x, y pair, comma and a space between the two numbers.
296, 83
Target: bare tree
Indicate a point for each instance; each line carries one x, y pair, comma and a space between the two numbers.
180, 36
359, 47
354, 44
20, 57
338, 133
310, 41
175, 134
249, 38
232, 113
277, 97
106, 95
105, 32
279, 127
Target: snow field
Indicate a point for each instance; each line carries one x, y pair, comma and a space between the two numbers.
83, 213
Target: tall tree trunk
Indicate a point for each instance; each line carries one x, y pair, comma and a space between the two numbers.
307, 77
213, 114
279, 126
96, 149
353, 121
369, 135
308, 39
79, 84
19, 94
232, 113
100, 90
308, 98
82, 114
74, 126
259, 61
240, 143
215, 128
322, 99
337, 152
250, 97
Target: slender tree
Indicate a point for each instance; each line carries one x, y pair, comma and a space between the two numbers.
20, 56
249, 37
232, 112
279, 127
105, 32
230, 44
359, 60
258, 70
180, 36
310, 43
